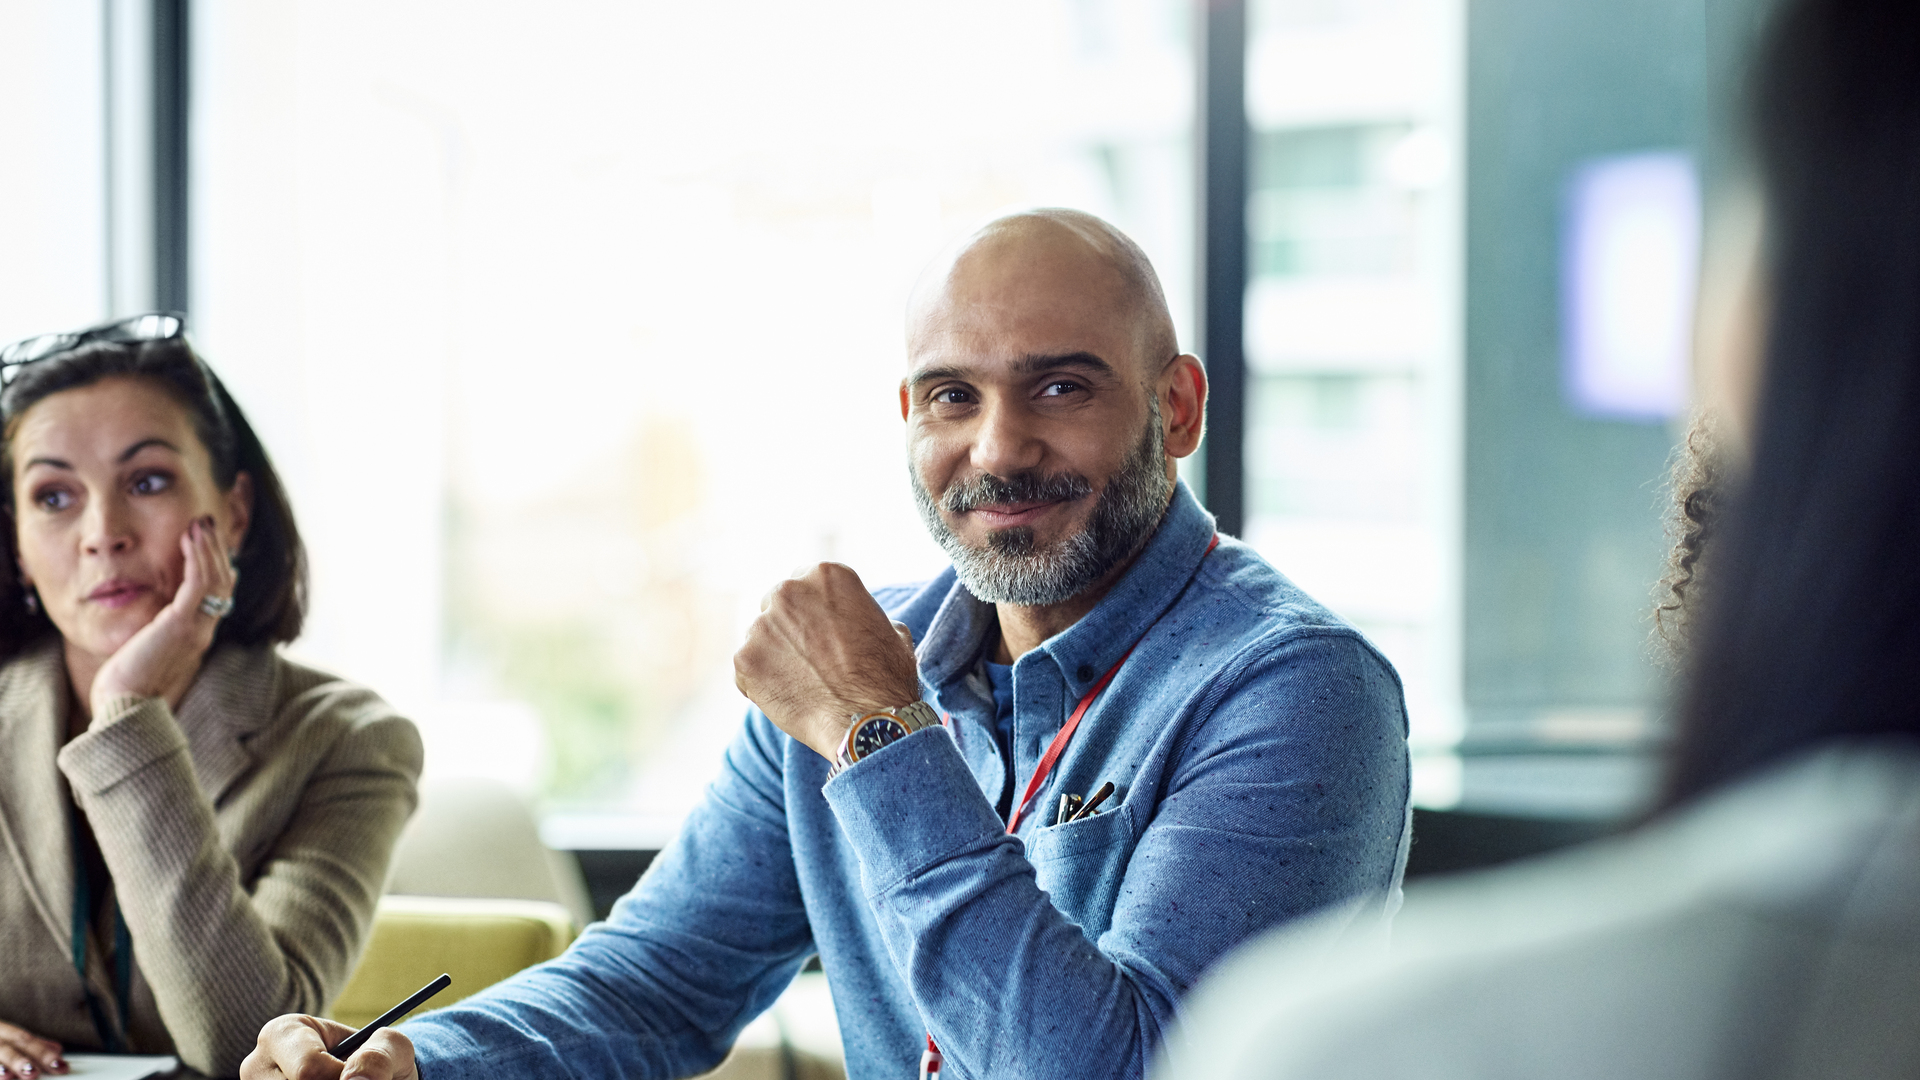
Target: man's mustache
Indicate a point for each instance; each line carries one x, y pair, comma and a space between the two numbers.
990, 490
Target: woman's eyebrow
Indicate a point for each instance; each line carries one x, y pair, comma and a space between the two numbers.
127, 454
49, 462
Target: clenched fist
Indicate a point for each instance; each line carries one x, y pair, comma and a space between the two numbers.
821, 652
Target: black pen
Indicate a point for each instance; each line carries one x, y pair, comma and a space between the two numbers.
392, 1016
1087, 808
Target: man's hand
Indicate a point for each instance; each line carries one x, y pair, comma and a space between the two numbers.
24, 1055
821, 652
295, 1048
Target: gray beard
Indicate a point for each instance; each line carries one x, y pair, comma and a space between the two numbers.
1011, 569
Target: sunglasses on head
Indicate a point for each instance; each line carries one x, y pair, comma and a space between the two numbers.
134, 329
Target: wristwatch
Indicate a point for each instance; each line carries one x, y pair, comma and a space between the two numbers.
871, 731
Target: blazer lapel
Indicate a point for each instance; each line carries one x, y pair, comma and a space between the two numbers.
230, 699
35, 829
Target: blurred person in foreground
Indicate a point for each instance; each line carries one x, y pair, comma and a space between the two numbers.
193, 829
1255, 742
1764, 923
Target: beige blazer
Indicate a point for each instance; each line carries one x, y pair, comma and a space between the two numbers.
247, 839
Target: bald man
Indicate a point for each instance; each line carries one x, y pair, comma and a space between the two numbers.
924, 818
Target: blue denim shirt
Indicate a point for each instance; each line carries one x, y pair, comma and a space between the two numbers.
1258, 747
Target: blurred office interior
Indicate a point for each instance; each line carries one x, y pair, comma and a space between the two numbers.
576, 325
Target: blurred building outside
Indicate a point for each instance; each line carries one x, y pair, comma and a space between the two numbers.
1353, 337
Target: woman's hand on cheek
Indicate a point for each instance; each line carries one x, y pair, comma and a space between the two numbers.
164, 656
24, 1054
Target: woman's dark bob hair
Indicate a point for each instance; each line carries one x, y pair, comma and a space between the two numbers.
1811, 627
270, 600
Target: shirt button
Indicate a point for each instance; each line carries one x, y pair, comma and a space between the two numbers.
1085, 674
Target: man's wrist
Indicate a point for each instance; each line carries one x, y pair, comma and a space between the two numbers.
870, 731
838, 761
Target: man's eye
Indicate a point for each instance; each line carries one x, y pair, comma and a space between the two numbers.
54, 499
1059, 387
952, 395
151, 483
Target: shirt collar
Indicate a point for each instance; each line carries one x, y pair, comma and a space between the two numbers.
1085, 650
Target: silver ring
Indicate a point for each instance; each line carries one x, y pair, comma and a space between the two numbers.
216, 606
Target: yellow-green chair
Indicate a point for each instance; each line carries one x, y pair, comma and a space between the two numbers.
477, 941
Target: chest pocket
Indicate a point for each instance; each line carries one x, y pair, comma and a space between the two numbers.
1081, 864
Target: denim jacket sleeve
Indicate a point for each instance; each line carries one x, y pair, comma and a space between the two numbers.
1288, 794
703, 944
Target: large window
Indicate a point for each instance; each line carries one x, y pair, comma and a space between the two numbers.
577, 325
53, 168
1352, 337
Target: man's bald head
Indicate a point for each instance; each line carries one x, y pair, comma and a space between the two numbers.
1067, 256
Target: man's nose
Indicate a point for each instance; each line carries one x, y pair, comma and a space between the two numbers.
1007, 442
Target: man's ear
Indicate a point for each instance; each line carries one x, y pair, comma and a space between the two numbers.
1183, 404
903, 399
239, 500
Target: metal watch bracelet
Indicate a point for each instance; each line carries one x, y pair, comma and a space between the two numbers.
913, 716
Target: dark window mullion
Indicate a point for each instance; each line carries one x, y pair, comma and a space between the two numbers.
1222, 140
172, 78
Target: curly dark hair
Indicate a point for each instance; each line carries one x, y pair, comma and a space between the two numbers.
1696, 484
270, 600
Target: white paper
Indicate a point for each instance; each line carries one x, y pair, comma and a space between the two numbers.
119, 1066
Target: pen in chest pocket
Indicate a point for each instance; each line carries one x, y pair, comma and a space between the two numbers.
1092, 805
1074, 807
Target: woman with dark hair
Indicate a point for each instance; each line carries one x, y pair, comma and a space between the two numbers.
193, 829
1763, 922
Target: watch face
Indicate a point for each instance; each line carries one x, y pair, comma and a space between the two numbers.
874, 733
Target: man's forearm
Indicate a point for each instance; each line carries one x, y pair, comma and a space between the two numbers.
711, 935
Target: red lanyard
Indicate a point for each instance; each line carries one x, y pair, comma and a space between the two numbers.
1059, 745
930, 1060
